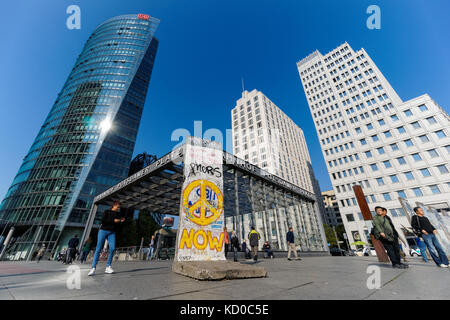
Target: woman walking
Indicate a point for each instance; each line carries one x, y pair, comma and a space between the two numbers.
111, 221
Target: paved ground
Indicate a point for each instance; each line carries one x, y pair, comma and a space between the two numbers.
312, 278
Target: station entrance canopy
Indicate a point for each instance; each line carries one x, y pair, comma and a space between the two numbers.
252, 197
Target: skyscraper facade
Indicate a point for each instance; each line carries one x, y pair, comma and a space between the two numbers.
266, 137
332, 215
370, 137
87, 140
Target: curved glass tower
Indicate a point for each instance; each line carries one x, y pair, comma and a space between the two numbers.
87, 140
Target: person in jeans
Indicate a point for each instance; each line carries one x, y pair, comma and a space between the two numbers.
111, 221
151, 248
268, 250
384, 228
291, 244
422, 248
428, 232
254, 237
234, 245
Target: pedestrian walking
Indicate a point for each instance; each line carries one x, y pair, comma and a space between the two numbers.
384, 230
151, 248
268, 250
290, 239
234, 245
111, 221
227, 241
85, 250
72, 249
40, 253
253, 237
422, 248
428, 232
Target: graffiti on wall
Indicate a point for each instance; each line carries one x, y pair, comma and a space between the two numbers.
200, 233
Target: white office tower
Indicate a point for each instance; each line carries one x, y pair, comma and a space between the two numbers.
266, 137
370, 137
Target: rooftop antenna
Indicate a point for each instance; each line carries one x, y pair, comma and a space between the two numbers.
242, 80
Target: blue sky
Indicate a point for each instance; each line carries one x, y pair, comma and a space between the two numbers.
205, 49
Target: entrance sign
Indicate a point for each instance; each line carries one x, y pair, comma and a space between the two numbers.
200, 232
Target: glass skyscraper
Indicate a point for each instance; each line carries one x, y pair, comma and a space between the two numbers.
87, 140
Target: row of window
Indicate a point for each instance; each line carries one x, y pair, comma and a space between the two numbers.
387, 196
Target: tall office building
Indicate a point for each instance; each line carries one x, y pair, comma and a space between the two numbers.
332, 214
370, 137
87, 140
266, 137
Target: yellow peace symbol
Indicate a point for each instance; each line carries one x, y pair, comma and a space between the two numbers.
202, 203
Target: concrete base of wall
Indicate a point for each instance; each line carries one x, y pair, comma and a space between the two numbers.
217, 270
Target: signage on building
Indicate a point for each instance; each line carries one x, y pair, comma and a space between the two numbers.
143, 16
200, 233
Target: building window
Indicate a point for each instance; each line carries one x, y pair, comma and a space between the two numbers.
408, 143
417, 192
387, 196
409, 175
416, 157
394, 117
394, 178
387, 134
424, 138
408, 113
401, 194
401, 160
440, 134
401, 130
380, 181
434, 189
380, 150
368, 154
423, 108
350, 217
387, 164
431, 120
433, 153
394, 147
425, 172
374, 167
442, 168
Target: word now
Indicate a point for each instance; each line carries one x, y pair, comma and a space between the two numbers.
192, 238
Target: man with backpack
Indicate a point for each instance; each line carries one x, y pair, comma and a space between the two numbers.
254, 237
384, 231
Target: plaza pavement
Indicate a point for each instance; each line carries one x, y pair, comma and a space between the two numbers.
322, 277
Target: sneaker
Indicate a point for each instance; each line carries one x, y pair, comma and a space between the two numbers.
397, 266
443, 265
404, 266
109, 270
92, 272
289, 259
